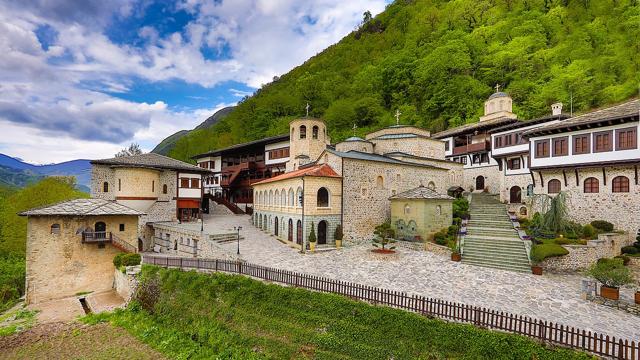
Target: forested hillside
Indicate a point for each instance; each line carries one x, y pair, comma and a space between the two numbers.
437, 61
13, 228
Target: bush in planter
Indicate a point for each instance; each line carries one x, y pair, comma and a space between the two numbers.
602, 225
631, 250
611, 273
312, 234
338, 235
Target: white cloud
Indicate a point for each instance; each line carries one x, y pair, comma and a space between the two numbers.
44, 94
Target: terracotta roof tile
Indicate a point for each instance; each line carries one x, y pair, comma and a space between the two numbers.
322, 170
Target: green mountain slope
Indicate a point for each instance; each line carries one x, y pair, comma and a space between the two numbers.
437, 61
166, 145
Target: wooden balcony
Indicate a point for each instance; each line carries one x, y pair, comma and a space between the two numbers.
97, 237
470, 148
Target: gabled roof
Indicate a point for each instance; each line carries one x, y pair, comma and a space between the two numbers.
421, 192
322, 170
150, 161
625, 112
82, 207
358, 155
482, 125
524, 123
264, 141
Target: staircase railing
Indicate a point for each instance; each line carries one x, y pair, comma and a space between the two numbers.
123, 245
231, 206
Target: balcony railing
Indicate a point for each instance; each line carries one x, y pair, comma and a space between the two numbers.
96, 236
469, 148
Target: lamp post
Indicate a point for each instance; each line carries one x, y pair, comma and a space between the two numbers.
238, 228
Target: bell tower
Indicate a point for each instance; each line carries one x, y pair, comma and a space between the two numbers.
499, 105
308, 138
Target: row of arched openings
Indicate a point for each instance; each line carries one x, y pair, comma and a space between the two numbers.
619, 184
105, 187
315, 130
289, 198
279, 224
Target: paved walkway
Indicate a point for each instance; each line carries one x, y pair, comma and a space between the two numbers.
550, 297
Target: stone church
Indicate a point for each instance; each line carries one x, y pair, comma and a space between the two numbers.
348, 184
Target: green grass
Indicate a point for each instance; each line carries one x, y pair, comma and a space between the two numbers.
17, 320
546, 250
201, 316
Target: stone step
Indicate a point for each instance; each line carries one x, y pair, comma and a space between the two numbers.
480, 249
489, 223
514, 255
521, 269
489, 244
505, 233
515, 262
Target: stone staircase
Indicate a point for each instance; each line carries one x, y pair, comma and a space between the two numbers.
225, 238
491, 240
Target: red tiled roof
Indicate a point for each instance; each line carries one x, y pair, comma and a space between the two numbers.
322, 170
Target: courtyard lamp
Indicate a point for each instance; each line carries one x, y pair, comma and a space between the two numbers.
238, 228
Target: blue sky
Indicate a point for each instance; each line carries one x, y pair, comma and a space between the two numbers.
82, 79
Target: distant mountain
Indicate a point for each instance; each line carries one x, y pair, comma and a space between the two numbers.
15, 172
166, 145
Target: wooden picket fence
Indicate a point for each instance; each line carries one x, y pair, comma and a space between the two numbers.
562, 335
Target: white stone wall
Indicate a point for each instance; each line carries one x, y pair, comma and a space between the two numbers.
620, 209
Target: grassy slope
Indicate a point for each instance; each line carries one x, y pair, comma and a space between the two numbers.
207, 316
437, 61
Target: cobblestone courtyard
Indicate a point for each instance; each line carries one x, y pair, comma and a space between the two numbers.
550, 297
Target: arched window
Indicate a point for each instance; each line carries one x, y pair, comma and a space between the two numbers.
431, 185
407, 209
55, 228
299, 197
105, 187
554, 186
164, 188
323, 197
292, 198
379, 182
314, 132
270, 201
591, 185
277, 198
439, 210
620, 184
523, 211
283, 198
303, 132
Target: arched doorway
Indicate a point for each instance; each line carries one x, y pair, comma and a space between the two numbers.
299, 233
140, 245
515, 195
480, 182
275, 227
322, 232
290, 237
100, 230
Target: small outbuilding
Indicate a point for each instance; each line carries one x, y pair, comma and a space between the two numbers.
419, 213
71, 246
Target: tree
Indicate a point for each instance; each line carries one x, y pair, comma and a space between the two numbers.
366, 17
133, 149
312, 235
384, 236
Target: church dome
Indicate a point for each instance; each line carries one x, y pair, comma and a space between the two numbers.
498, 95
355, 138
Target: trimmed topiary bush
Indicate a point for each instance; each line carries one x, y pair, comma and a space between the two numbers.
602, 225
589, 232
543, 251
611, 273
631, 250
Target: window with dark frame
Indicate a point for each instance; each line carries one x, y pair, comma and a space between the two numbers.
105, 187
195, 183
498, 141
463, 160
561, 146
314, 132
554, 186
184, 183
55, 229
164, 188
581, 144
446, 146
542, 148
602, 141
591, 185
121, 227
513, 164
119, 185
303, 132
508, 140
620, 184
626, 139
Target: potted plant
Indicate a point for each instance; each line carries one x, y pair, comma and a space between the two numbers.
384, 237
612, 274
337, 235
637, 295
455, 252
312, 238
536, 269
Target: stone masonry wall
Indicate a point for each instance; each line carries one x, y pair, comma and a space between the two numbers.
417, 146
491, 182
580, 257
367, 205
60, 265
619, 209
505, 187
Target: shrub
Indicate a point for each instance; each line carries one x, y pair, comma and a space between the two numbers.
611, 272
312, 235
385, 236
602, 225
124, 259
589, 232
460, 208
338, 235
631, 250
637, 244
625, 259
543, 251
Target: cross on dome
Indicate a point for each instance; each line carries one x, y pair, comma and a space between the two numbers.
354, 129
307, 108
497, 88
398, 113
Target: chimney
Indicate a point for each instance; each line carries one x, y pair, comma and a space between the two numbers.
556, 109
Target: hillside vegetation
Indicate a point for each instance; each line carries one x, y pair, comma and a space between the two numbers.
437, 61
13, 228
189, 315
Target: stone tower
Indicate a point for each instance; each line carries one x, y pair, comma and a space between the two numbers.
499, 105
308, 139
